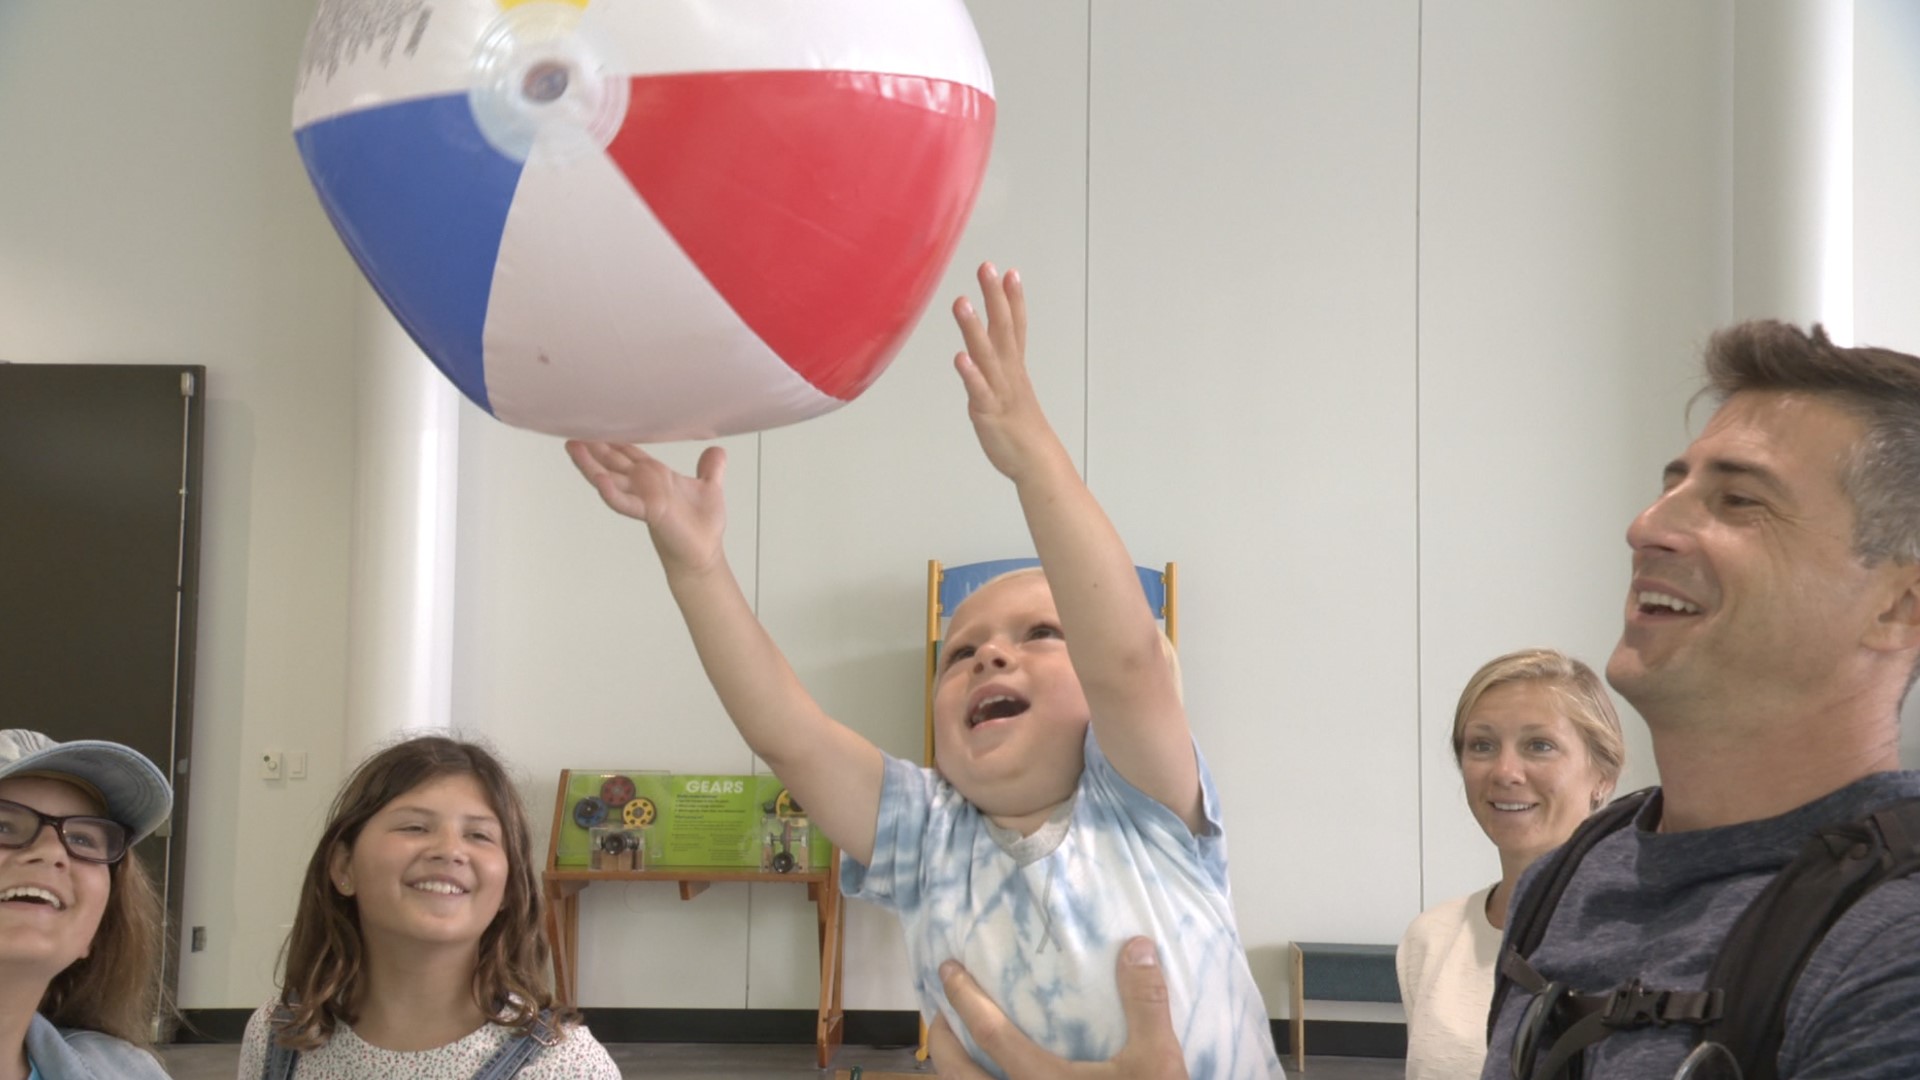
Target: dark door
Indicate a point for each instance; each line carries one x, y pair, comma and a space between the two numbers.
99, 542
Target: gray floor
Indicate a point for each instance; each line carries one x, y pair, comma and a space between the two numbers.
675, 1061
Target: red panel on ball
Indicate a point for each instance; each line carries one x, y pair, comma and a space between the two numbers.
822, 205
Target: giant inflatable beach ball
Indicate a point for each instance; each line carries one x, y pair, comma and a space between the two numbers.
649, 219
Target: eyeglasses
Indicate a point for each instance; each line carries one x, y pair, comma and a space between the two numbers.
89, 839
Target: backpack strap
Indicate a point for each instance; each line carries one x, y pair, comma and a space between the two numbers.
1771, 943
1741, 1014
280, 1061
1579, 1020
515, 1053
1534, 907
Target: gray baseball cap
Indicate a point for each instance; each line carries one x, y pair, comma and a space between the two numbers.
135, 791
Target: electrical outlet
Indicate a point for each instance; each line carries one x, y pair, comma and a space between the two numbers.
199, 939
270, 765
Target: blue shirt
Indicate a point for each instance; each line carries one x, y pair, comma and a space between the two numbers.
76, 1054
1039, 920
1657, 907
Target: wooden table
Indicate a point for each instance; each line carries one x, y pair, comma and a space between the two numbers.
563, 888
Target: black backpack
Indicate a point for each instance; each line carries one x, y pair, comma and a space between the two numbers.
1743, 1007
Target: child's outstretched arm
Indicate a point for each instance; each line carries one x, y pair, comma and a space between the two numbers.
1111, 635
831, 769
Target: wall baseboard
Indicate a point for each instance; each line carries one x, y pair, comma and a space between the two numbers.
865, 1027
1346, 1038
212, 1025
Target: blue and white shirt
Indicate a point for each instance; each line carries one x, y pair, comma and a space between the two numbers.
79, 1054
1039, 920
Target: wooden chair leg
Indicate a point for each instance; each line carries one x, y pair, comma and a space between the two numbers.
831, 923
559, 928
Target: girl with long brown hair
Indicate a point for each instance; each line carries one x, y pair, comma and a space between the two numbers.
80, 921
416, 950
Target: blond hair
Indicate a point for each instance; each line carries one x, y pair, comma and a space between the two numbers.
1580, 691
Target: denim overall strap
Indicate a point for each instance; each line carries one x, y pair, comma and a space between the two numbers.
514, 1054
280, 1060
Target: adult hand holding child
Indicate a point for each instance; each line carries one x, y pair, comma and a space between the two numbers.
1152, 1051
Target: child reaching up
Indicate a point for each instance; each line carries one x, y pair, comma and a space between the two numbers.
1069, 810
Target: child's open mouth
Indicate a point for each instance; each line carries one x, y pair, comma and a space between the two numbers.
996, 707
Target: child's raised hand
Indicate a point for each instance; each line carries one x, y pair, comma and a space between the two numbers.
1001, 403
685, 515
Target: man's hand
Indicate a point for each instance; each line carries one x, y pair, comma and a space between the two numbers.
1151, 1053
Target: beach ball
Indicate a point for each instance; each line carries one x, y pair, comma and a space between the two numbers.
646, 220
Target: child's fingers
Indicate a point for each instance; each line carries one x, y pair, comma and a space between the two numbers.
993, 293
975, 335
582, 456
612, 457
979, 394
712, 466
629, 479
605, 470
617, 493
592, 457
1017, 307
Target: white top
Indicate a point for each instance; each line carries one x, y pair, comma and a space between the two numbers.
578, 1056
1446, 963
1039, 920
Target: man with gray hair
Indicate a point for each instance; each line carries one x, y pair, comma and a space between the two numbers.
1772, 632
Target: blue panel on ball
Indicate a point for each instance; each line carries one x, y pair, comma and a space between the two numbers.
421, 199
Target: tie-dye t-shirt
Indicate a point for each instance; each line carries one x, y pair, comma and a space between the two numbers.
1039, 920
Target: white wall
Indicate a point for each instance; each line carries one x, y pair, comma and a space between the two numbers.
152, 210
1574, 251
1251, 415
1377, 317
1887, 171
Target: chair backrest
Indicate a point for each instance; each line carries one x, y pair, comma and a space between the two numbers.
947, 586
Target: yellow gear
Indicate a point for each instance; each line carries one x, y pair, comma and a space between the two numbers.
638, 813
786, 807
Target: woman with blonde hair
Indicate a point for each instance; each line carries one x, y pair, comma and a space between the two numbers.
80, 920
416, 950
1539, 749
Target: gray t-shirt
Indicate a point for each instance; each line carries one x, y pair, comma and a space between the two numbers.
1657, 906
